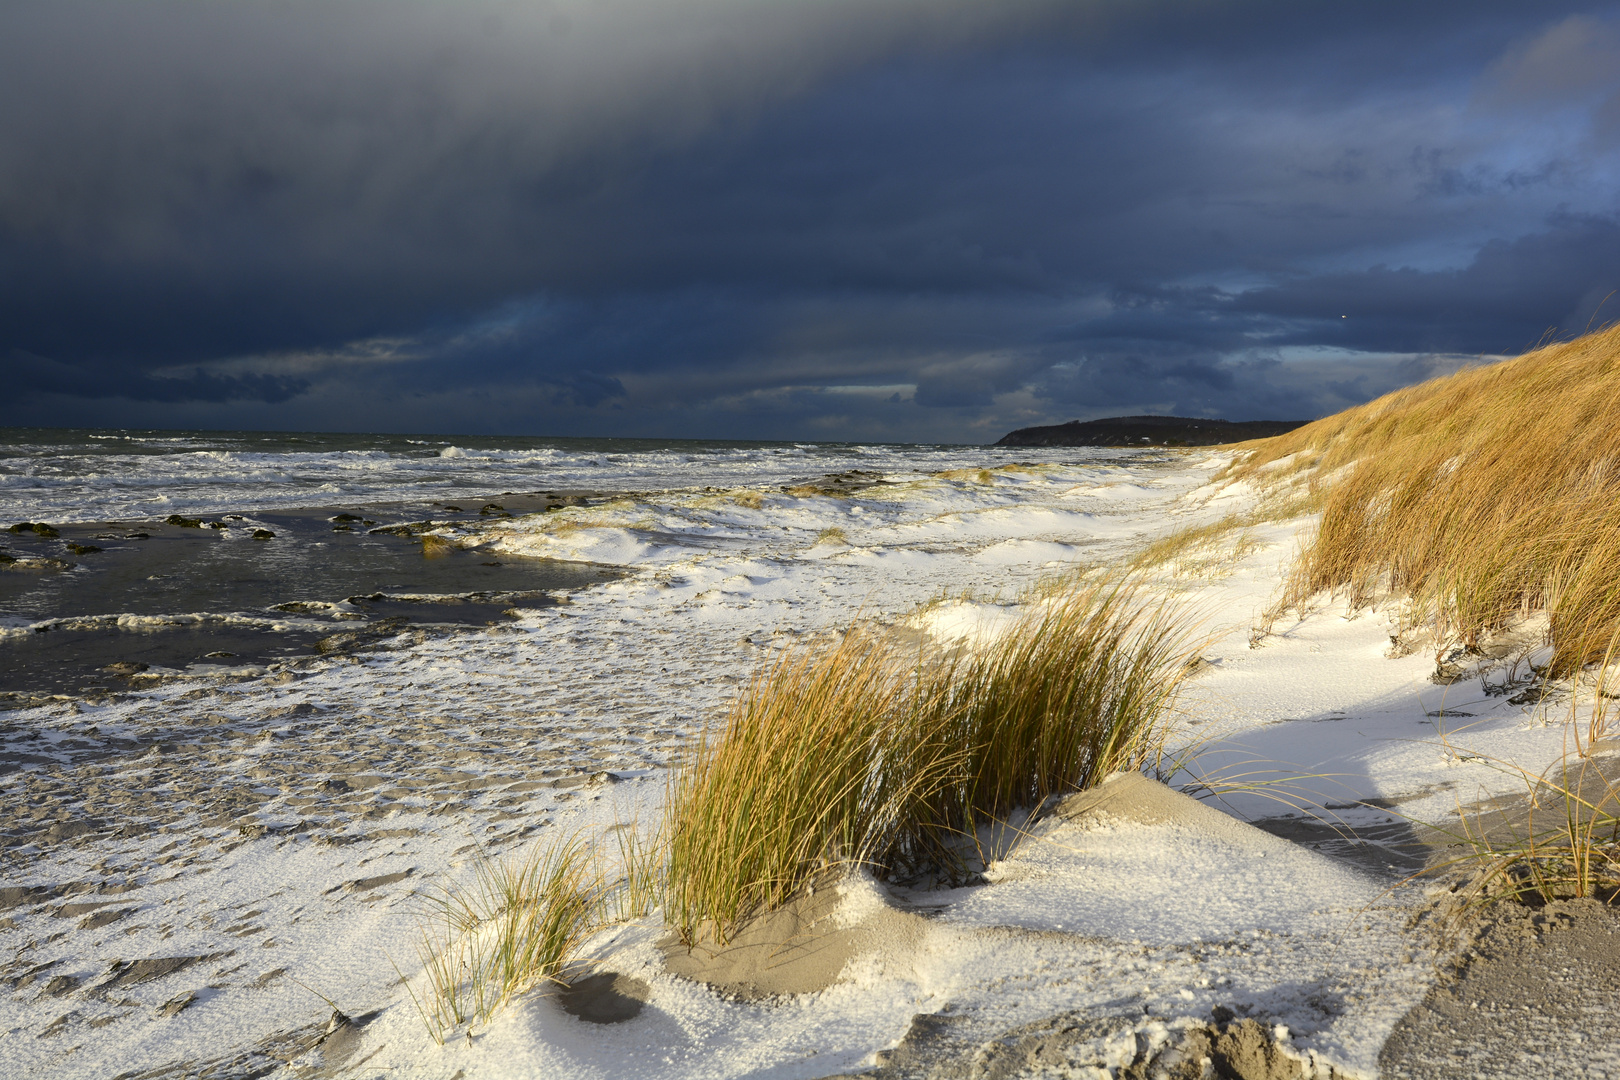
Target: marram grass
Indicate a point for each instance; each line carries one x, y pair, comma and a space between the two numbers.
1481, 497
867, 754
817, 767
859, 753
518, 924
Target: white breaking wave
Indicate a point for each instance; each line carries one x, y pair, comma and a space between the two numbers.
69, 476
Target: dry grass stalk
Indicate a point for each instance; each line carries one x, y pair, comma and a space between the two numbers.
1481, 496
1568, 845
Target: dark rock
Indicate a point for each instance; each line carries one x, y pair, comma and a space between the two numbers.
62, 985
606, 998
178, 1005
263, 534
83, 549
38, 528
126, 667
139, 971
183, 522
1148, 431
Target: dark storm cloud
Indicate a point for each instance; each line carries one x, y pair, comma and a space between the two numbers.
727, 217
28, 375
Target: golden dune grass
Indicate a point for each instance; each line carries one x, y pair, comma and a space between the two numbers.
865, 754
1481, 496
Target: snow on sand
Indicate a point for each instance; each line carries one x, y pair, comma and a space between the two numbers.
302, 887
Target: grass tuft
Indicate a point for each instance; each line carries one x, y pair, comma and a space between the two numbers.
864, 754
815, 769
517, 925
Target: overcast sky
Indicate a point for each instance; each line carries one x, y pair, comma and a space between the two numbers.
904, 220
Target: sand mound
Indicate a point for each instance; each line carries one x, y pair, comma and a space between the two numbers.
1132, 797
805, 946
800, 948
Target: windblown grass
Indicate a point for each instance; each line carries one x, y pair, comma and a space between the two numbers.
1079, 688
517, 925
1564, 842
1206, 551
1481, 496
864, 755
817, 767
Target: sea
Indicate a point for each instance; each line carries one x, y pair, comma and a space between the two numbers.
145, 552
84, 474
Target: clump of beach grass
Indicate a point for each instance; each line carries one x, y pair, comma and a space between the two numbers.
1208, 550
816, 768
1080, 687
518, 924
1479, 497
832, 535
866, 754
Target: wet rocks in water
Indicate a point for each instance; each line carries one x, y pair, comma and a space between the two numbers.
83, 549
347, 522
126, 668
436, 547
38, 528
371, 634
25, 563
414, 528
263, 534
183, 522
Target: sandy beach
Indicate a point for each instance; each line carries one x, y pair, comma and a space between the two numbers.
205, 865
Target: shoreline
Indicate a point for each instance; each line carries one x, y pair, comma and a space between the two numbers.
314, 807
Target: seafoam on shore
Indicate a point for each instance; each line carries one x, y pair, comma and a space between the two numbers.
200, 871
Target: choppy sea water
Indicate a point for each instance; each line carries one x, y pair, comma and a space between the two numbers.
114, 583
68, 475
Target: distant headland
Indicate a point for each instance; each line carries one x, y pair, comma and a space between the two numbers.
1148, 431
